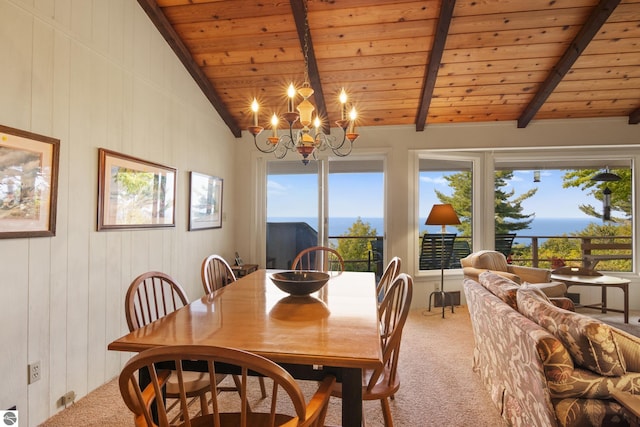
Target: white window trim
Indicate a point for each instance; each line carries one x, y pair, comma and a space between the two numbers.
484, 162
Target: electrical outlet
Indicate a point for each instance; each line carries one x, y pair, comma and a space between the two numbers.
68, 398
34, 372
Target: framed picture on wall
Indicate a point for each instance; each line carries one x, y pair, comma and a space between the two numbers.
205, 201
28, 184
134, 193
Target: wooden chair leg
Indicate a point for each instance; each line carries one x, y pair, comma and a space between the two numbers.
386, 412
263, 390
204, 404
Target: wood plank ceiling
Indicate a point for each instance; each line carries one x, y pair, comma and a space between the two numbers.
412, 62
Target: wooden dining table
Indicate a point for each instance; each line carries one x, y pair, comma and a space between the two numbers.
334, 330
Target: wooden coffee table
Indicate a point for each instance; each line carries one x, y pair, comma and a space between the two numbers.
604, 282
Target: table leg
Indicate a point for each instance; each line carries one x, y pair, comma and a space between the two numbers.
625, 290
352, 397
604, 299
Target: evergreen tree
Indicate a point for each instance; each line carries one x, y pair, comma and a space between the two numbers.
508, 205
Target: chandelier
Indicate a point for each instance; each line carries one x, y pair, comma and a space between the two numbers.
303, 140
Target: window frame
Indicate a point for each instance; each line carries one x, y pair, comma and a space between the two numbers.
476, 202
484, 163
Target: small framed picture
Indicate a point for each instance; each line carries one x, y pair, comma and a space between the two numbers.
134, 193
205, 201
28, 184
239, 260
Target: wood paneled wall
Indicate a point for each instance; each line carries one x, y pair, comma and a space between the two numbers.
93, 74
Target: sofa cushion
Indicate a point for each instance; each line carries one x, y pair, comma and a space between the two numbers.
490, 260
591, 343
500, 286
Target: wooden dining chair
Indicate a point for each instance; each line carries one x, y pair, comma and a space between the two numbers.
382, 383
216, 273
390, 273
319, 258
286, 393
151, 296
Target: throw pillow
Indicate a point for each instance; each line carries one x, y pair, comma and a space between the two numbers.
591, 343
500, 286
536, 290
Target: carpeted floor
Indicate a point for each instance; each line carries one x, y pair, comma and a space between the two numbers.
438, 386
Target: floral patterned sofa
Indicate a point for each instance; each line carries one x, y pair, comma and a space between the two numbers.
546, 366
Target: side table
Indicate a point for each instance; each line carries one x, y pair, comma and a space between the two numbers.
630, 402
603, 282
244, 269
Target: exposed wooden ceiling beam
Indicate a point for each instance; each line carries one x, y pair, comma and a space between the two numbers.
299, 9
162, 24
593, 24
634, 117
435, 58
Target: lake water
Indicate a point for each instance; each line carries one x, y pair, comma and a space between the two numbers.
539, 226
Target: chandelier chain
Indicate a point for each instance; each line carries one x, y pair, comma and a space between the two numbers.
305, 47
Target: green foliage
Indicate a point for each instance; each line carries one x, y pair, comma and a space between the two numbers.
357, 249
568, 249
620, 191
137, 190
508, 205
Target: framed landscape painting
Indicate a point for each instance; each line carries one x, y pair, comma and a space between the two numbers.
28, 184
205, 201
134, 193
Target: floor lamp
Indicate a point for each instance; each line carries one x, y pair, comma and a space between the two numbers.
442, 214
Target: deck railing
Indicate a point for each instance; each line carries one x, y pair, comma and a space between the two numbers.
525, 251
592, 250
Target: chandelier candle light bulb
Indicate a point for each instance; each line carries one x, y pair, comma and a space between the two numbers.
353, 115
254, 108
274, 124
343, 101
291, 93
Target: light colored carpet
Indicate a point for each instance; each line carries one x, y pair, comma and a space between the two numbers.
438, 386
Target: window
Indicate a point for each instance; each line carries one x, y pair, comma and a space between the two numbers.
292, 210
444, 180
347, 213
540, 208
356, 212
556, 211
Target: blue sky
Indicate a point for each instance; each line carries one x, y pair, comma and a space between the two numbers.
550, 201
353, 195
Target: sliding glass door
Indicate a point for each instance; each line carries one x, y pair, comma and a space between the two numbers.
292, 210
337, 203
356, 212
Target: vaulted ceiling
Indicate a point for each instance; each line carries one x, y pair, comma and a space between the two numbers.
412, 62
